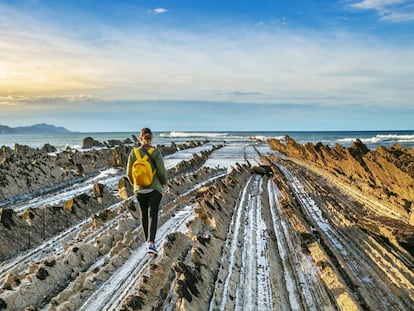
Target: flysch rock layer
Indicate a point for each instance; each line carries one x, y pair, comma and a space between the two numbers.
28, 171
32, 227
311, 244
383, 179
44, 172
361, 269
272, 237
101, 246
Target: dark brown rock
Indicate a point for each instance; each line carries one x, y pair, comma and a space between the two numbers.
89, 142
262, 170
47, 148
42, 273
6, 218
3, 305
11, 281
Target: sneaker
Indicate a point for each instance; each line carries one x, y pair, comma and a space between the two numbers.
152, 250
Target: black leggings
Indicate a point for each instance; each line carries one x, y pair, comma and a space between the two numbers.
149, 204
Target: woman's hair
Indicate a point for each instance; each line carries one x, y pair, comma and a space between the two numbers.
145, 135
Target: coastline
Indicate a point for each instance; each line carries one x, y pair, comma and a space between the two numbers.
372, 139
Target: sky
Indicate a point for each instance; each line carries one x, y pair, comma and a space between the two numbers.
185, 65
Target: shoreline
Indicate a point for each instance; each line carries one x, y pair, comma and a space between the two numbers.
74, 140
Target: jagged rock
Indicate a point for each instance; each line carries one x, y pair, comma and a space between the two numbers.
32, 171
11, 281
114, 142
117, 160
51, 262
44, 278
42, 273
101, 218
125, 253
202, 191
89, 142
127, 141
262, 170
126, 224
25, 151
3, 304
33, 226
134, 302
125, 189
186, 281
117, 260
135, 139
48, 148
412, 215
133, 208
6, 218
102, 275
98, 190
384, 175
104, 243
358, 149
79, 169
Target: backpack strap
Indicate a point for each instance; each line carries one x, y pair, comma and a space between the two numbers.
137, 153
148, 152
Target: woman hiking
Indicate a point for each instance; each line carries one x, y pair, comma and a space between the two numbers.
148, 193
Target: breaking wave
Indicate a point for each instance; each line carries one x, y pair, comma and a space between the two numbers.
379, 139
193, 134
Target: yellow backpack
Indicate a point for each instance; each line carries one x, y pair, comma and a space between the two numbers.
142, 170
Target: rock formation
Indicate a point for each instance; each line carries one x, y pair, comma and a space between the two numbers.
278, 234
384, 176
33, 170
89, 142
32, 227
27, 171
48, 277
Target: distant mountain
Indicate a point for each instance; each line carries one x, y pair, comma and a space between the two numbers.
6, 130
42, 128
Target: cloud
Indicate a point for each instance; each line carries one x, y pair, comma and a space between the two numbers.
399, 16
39, 57
7, 103
397, 11
375, 4
30, 102
159, 11
242, 65
234, 93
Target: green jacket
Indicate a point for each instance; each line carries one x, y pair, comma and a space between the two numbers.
160, 177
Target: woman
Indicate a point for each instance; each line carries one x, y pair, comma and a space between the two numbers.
149, 197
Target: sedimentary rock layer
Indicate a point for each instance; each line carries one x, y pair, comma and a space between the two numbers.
33, 171
276, 236
383, 179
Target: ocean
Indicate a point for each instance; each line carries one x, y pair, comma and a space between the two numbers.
372, 139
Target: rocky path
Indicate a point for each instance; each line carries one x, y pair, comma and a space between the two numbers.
264, 267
